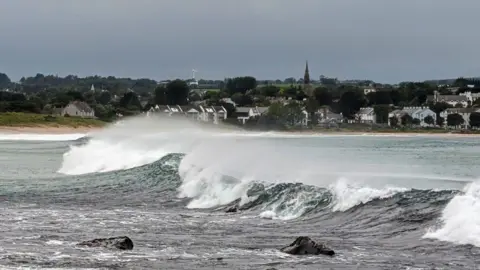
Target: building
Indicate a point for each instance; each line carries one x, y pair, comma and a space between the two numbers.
471, 97
367, 91
77, 109
245, 113
198, 113
453, 100
366, 115
327, 117
464, 112
306, 81
419, 113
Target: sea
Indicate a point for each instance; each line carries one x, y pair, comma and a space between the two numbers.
379, 201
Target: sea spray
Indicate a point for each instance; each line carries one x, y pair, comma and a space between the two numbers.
221, 165
460, 220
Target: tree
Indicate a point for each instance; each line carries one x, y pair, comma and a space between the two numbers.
379, 98
160, 95
130, 101
311, 108
240, 84
323, 96
290, 114
416, 121
4, 81
269, 91
440, 121
104, 98
350, 103
429, 120
455, 120
475, 119
406, 120
393, 121
381, 113
177, 92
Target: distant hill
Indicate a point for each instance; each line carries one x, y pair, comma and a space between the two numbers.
448, 81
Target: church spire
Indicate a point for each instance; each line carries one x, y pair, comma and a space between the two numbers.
306, 76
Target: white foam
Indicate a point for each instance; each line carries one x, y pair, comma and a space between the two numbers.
460, 220
220, 165
40, 137
348, 194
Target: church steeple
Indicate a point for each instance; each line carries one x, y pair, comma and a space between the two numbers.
306, 76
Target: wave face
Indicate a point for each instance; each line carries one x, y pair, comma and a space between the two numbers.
291, 177
378, 200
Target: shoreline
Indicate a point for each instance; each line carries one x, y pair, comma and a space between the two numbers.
47, 129
87, 129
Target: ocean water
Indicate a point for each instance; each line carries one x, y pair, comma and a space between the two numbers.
381, 202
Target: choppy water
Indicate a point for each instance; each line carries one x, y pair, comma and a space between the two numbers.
381, 202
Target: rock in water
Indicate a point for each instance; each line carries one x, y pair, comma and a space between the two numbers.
232, 209
303, 245
120, 242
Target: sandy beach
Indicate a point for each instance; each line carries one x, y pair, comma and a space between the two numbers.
47, 130
87, 129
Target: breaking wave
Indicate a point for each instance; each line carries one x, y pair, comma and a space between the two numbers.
279, 176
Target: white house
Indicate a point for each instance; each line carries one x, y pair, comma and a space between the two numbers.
77, 108
424, 113
453, 100
245, 113
464, 112
366, 91
198, 113
471, 97
419, 113
366, 115
220, 114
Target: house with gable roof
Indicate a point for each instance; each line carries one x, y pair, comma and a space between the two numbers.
419, 113
78, 109
453, 100
366, 115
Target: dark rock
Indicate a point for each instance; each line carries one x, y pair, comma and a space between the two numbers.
232, 209
120, 242
303, 245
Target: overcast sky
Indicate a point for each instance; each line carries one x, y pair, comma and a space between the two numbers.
383, 40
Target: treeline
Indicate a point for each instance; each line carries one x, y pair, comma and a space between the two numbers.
126, 96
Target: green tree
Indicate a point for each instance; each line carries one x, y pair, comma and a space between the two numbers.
323, 96
440, 121
160, 95
475, 119
294, 114
393, 121
130, 101
177, 92
4, 81
416, 121
240, 84
406, 120
429, 120
455, 120
381, 113
269, 91
379, 98
350, 103
104, 97
311, 108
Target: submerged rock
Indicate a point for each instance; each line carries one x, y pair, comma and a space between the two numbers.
303, 245
120, 242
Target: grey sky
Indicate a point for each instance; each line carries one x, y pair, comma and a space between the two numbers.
383, 40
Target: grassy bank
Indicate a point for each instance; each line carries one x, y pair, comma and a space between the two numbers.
43, 120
